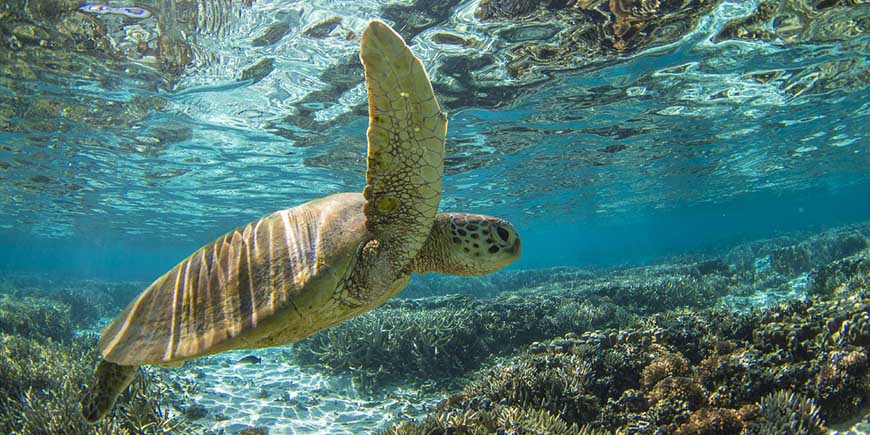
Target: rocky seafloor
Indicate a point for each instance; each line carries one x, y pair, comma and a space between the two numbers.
767, 337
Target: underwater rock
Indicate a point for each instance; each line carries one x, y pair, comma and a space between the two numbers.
258, 71
272, 34
250, 359
322, 29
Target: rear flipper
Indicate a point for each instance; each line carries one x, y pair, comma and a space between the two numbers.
109, 381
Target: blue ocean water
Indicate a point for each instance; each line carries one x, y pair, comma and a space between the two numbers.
119, 157
117, 173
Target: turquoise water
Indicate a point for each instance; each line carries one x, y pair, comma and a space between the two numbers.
129, 141
118, 172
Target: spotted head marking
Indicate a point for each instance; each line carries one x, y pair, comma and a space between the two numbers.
482, 244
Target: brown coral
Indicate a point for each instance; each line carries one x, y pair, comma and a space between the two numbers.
663, 365
711, 421
786, 412
678, 388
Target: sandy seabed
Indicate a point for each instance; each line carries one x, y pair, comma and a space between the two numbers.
291, 400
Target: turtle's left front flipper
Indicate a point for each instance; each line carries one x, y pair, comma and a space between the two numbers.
405, 145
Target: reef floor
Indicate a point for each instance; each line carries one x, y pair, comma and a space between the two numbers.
766, 337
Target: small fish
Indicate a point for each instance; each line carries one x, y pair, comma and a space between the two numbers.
128, 11
250, 359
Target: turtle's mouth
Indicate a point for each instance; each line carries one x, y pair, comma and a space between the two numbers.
515, 249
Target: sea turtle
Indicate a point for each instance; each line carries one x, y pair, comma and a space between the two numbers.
297, 271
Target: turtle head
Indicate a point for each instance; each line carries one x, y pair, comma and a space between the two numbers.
468, 244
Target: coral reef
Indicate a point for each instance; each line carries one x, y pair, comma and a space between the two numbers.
490, 419
400, 342
35, 317
642, 350
42, 384
85, 301
786, 412
798, 253
847, 275
44, 366
760, 264
711, 421
697, 371
442, 338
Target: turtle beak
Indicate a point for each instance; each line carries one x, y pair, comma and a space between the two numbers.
509, 236
515, 250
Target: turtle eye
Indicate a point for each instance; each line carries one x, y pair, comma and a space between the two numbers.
503, 233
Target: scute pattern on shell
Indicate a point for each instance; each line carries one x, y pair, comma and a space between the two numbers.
227, 294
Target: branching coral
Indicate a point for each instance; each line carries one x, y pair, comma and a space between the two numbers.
651, 291
398, 342
497, 419
41, 383
35, 317
447, 337
556, 382
785, 412
688, 372
85, 301
842, 276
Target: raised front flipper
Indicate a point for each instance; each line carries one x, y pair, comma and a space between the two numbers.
405, 145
